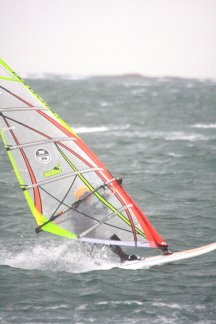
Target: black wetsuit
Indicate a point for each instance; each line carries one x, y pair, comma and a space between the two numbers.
86, 211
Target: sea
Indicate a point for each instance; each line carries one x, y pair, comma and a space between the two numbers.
159, 135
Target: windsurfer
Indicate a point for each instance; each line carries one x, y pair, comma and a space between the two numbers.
88, 208
122, 255
85, 205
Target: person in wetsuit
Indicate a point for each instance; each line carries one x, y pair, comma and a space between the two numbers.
86, 207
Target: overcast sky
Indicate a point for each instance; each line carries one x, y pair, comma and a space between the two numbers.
103, 37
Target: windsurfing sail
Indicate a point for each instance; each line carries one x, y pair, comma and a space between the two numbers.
68, 189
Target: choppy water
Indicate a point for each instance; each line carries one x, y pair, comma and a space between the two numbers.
159, 135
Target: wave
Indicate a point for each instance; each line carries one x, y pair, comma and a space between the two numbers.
96, 129
204, 126
174, 155
129, 133
68, 257
168, 136
83, 129
52, 76
182, 136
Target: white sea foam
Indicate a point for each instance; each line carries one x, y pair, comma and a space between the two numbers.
50, 76
178, 306
96, 129
68, 257
80, 130
138, 91
105, 104
205, 126
174, 155
121, 302
168, 136
173, 305
172, 136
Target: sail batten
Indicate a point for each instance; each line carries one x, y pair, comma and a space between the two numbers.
55, 168
27, 187
6, 129
52, 140
13, 109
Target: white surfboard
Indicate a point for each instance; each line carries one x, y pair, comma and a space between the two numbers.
162, 259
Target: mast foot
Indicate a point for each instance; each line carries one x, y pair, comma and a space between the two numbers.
165, 250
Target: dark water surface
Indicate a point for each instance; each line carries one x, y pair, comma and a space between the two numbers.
159, 135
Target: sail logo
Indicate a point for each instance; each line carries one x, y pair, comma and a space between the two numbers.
54, 171
42, 155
